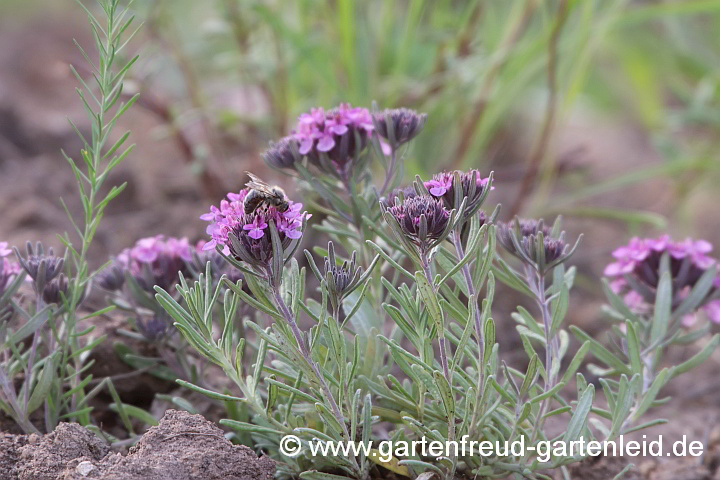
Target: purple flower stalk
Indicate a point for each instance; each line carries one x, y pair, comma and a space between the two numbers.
635, 272
41, 267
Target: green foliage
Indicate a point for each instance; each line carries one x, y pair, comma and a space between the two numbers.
53, 367
437, 373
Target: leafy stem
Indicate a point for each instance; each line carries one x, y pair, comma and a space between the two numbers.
307, 356
442, 341
536, 281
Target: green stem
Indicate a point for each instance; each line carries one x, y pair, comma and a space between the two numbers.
442, 341
459, 249
307, 356
537, 284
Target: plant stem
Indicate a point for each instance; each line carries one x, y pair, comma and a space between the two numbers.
457, 242
537, 284
307, 356
442, 341
390, 172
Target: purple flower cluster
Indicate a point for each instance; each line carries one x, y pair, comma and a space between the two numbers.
640, 259
251, 230
151, 261
422, 220
474, 190
322, 131
331, 140
519, 237
442, 183
404, 123
231, 217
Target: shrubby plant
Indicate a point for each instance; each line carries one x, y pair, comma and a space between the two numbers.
393, 338
43, 349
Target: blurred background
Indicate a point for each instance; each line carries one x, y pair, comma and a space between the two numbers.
604, 111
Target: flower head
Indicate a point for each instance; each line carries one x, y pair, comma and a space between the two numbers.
151, 261
56, 289
636, 272
332, 140
422, 220
341, 279
399, 195
400, 125
282, 154
247, 236
41, 267
473, 188
155, 327
534, 243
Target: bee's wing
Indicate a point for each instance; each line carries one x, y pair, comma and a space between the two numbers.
257, 184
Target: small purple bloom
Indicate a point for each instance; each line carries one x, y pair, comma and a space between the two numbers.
474, 190
438, 188
255, 229
628, 257
406, 124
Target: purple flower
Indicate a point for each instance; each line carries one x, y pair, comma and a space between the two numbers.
4, 249
151, 261
439, 185
520, 238
640, 260
334, 133
255, 229
474, 190
247, 236
422, 220
281, 154
630, 255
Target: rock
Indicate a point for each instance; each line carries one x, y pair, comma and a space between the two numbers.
85, 467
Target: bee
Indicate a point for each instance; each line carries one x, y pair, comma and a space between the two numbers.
261, 193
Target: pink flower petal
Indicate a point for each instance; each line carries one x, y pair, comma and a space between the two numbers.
326, 143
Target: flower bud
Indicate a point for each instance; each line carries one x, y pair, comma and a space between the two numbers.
400, 125
534, 243
422, 220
